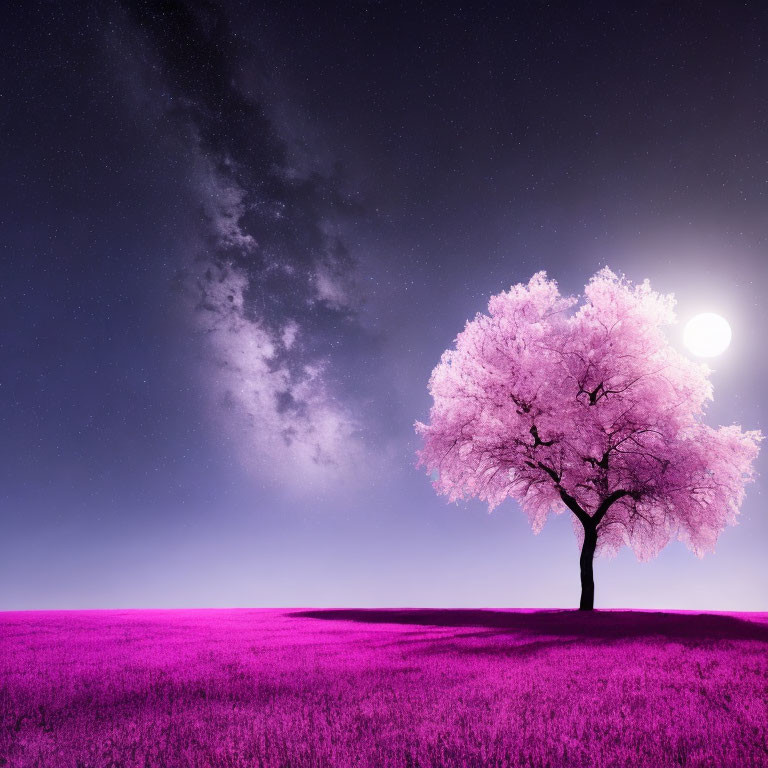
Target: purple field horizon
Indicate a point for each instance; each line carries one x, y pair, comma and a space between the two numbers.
382, 687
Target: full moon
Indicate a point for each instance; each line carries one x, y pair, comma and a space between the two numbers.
707, 335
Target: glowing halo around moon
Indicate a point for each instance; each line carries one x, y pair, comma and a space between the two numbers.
707, 335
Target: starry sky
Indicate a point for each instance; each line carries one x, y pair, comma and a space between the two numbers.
236, 238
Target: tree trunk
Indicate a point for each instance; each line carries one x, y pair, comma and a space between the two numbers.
585, 563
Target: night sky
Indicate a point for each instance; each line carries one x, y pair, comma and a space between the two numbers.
236, 239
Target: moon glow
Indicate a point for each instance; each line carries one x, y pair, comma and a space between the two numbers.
707, 335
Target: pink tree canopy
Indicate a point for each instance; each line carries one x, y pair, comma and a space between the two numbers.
590, 408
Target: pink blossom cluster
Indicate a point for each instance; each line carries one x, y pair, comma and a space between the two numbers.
559, 405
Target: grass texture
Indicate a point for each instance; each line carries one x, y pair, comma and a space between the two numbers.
347, 688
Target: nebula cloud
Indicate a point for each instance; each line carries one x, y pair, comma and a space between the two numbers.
269, 281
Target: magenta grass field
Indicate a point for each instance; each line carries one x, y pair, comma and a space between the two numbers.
382, 688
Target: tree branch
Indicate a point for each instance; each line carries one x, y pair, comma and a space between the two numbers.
537, 439
570, 502
575, 507
606, 503
551, 472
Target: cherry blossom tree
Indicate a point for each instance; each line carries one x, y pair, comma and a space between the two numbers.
586, 408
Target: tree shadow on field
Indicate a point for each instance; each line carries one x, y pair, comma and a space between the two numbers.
596, 625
